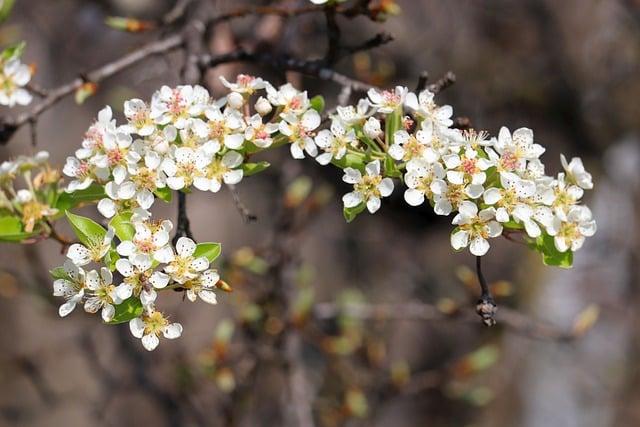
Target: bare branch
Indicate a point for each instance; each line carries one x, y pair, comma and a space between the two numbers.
511, 319
486, 306
8, 126
245, 213
444, 82
310, 68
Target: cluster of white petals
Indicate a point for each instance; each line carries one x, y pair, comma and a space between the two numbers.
14, 76
185, 139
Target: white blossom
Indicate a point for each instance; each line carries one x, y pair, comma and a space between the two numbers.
70, 288
185, 266
569, 232
424, 106
334, 142
203, 286
212, 173
14, 76
369, 188
387, 101
576, 172
101, 294
151, 325
82, 255
299, 131
474, 228
419, 179
151, 240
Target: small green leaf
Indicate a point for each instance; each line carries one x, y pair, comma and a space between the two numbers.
393, 124
122, 226
110, 259
11, 230
317, 103
550, 255
5, 9
391, 168
164, 194
209, 250
12, 52
59, 273
254, 168
127, 310
350, 160
87, 230
351, 213
68, 201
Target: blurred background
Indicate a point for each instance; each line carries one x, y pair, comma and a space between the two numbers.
569, 70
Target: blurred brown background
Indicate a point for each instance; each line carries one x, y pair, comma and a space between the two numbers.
569, 70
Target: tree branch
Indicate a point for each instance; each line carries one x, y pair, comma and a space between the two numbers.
8, 126
486, 306
511, 319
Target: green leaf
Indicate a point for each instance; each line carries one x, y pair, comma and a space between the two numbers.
12, 52
209, 250
164, 194
87, 230
351, 213
11, 230
122, 226
350, 160
68, 201
110, 259
254, 168
550, 255
5, 9
127, 310
317, 103
59, 273
393, 123
391, 168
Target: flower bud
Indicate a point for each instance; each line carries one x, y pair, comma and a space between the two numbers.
235, 100
41, 157
24, 196
263, 107
372, 128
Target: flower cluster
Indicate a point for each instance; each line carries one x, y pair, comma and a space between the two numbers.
185, 139
146, 264
14, 76
29, 208
492, 183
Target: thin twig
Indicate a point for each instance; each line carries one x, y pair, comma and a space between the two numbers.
444, 82
8, 126
177, 11
245, 213
486, 306
333, 36
183, 228
422, 81
413, 311
310, 68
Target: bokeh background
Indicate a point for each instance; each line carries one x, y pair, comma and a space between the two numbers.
569, 70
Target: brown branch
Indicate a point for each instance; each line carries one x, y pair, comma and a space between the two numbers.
444, 82
333, 36
486, 306
311, 68
511, 319
177, 11
8, 126
422, 81
245, 213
